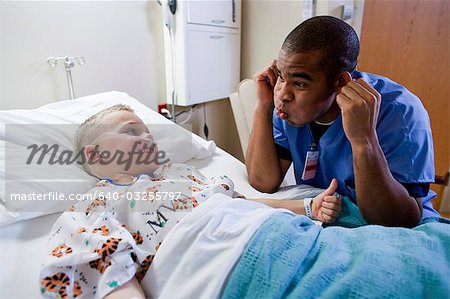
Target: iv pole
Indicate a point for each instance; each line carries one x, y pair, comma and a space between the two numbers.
69, 62
169, 8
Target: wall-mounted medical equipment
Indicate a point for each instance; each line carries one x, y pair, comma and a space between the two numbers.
202, 50
69, 63
347, 11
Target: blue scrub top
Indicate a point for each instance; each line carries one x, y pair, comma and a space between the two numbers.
404, 134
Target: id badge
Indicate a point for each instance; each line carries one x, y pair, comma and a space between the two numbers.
310, 169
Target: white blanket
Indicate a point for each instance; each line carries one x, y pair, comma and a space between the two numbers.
196, 257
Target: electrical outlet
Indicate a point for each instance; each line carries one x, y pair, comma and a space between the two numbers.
161, 107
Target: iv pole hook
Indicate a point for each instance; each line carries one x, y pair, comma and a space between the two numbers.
68, 63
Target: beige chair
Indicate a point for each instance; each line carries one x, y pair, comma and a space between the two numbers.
445, 203
243, 103
442, 202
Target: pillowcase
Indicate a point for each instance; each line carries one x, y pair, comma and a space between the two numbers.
28, 191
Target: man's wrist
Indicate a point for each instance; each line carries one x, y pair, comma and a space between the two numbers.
365, 144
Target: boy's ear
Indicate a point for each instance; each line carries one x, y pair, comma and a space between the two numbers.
341, 80
91, 153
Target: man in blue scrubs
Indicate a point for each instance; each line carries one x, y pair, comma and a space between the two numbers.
316, 111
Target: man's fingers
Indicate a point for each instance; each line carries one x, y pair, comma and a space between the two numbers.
272, 72
272, 78
355, 92
367, 86
269, 74
275, 71
360, 89
343, 101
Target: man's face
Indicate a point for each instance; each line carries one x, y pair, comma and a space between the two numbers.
126, 133
303, 92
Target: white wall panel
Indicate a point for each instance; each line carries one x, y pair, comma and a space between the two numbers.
121, 42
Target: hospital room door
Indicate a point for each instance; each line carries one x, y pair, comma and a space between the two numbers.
407, 41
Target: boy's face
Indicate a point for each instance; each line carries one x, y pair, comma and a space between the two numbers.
128, 139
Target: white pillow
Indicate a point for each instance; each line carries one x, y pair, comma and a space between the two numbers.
56, 123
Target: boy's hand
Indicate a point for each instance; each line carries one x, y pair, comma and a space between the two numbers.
326, 207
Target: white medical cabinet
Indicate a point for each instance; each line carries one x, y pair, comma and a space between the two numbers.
202, 50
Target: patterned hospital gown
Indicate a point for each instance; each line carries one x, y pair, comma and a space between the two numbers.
101, 242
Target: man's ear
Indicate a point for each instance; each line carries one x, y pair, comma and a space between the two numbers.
91, 153
341, 80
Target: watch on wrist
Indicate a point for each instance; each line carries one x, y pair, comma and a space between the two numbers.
308, 206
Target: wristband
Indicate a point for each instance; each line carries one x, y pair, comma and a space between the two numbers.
308, 206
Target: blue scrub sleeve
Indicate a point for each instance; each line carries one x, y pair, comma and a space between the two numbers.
405, 138
417, 190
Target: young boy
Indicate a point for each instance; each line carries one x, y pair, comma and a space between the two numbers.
104, 245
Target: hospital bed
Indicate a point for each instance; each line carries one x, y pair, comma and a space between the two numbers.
23, 235
23, 240
190, 273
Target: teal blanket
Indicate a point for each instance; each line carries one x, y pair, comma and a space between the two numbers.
290, 257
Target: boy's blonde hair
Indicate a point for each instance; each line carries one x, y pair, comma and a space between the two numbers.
93, 127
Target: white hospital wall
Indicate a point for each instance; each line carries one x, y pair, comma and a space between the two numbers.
121, 42
265, 25
334, 8
123, 46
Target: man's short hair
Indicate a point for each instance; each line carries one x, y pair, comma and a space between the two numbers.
92, 128
337, 41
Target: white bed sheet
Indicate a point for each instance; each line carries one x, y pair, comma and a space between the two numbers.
22, 244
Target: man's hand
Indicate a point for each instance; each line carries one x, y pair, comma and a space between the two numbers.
265, 170
326, 207
265, 81
360, 105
